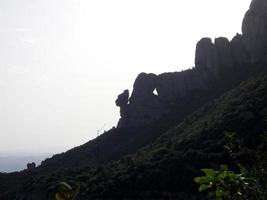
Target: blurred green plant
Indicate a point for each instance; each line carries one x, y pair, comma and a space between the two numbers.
225, 184
249, 183
66, 192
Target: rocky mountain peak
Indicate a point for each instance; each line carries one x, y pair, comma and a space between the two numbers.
254, 30
213, 61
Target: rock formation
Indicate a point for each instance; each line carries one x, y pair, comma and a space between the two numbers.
143, 105
223, 53
122, 102
31, 166
239, 52
213, 61
254, 29
206, 56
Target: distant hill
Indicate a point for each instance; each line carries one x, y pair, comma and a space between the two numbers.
17, 163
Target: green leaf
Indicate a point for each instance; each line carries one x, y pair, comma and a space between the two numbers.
203, 179
224, 167
203, 187
220, 193
209, 172
197, 179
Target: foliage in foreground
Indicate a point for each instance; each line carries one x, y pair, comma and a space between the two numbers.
66, 192
225, 184
249, 183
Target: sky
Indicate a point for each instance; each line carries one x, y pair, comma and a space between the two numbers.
63, 62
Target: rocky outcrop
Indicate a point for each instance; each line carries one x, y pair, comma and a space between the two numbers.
213, 61
144, 106
122, 102
223, 53
173, 86
144, 86
206, 57
31, 166
239, 52
254, 29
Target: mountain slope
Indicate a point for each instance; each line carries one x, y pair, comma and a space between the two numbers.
219, 66
119, 142
166, 168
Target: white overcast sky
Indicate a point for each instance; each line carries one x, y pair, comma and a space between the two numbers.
63, 62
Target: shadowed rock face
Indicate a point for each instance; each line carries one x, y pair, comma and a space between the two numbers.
123, 99
31, 166
254, 29
212, 61
143, 106
239, 51
173, 86
122, 102
206, 56
144, 86
223, 53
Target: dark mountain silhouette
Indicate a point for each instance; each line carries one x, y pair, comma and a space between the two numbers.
163, 139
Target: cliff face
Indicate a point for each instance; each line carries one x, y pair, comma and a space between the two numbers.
212, 62
254, 29
146, 106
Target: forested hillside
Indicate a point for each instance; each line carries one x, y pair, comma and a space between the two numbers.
166, 168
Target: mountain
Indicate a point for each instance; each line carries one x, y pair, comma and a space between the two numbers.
165, 169
219, 66
164, 138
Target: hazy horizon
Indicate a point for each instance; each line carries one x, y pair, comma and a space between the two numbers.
63, 63
13, 163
